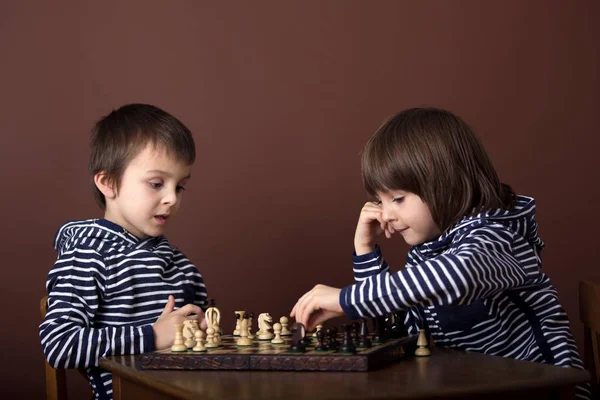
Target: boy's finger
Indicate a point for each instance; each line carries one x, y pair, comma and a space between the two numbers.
189, 309
169, 306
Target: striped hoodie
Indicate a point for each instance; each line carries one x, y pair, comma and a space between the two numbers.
106, 289
478, 287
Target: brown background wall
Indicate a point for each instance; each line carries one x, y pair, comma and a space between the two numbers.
281, 96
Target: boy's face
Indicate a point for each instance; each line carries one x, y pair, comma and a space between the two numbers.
150, 193
409, 216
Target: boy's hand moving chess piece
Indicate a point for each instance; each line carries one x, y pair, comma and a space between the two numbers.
317, 306
164, 334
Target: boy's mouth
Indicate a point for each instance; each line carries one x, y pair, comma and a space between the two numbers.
161, 218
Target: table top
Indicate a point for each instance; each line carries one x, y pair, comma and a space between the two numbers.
446, 373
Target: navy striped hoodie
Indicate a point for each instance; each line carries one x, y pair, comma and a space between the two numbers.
106, 289
478, 287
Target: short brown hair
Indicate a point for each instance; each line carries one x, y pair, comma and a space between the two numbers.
435, 155
119, 136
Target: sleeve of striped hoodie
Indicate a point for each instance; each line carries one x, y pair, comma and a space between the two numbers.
479, 266
68, 337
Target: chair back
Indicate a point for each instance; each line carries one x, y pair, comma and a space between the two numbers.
589, 315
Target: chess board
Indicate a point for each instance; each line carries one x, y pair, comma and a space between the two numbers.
264, 356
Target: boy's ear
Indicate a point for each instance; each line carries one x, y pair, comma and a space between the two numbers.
105, 185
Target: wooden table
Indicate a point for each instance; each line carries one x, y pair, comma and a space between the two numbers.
446, 374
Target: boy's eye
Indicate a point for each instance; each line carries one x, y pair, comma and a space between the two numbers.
398, 199
179, 188
155, 185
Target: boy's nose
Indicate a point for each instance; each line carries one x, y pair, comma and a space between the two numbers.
386, 214
170, 197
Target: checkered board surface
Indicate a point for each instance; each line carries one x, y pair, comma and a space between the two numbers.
264, 356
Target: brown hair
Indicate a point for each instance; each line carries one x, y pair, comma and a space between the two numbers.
119, 136
435, 155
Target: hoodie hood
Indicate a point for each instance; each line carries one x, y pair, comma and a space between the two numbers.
520, 220
93, 231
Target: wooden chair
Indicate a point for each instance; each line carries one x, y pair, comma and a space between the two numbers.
56, 379
589, 314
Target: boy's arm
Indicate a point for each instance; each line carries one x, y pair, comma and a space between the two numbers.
369, 264
69, 340
481, 265
194, 278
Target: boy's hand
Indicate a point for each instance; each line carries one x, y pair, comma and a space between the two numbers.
164, 330
370, 226
317, 306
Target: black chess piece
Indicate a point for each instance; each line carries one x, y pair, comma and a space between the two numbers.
355, 332
381, 333
347, 345
331, 339
298, 345
321, 346
364, 342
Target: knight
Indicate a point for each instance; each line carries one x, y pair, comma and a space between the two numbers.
264, 327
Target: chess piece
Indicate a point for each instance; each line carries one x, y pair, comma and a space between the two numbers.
363, 340
422, 350
284, 327
321, 346
319, 327
250, 334
210, 339
199, 336
332, 339
277, 339
298, 339
347, 345
239, 315
380, 335
178, 344
243, 341
264, 329
190, 341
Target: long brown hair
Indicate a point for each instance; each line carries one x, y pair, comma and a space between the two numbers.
437, 156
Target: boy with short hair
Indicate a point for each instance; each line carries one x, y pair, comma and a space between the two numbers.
108, 287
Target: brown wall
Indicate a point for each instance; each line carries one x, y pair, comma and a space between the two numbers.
281, 97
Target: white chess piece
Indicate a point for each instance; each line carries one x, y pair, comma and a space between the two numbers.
243, 340
199, 336
422, 350
210, 335
264, 332
319, 327
238, 322
178, 344
277, 329
284, 327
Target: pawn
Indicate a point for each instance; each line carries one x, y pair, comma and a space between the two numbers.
347, 345
363, 340
284, 327
178, 344
210, 339
321, 346
277, 339
319, 327
332, 337
243, 341
422, 350
199, 348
